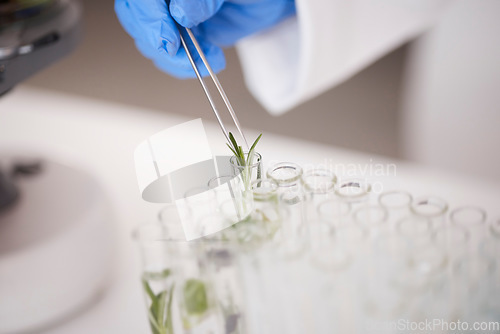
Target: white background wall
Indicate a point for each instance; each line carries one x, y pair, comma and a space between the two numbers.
451, 107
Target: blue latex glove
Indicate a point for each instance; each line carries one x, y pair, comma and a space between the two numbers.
215, 23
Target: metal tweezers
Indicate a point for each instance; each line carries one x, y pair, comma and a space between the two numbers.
214, 79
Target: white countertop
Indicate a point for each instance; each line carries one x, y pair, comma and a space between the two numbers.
100, 137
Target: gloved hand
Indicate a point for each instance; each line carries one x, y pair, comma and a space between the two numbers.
215, 23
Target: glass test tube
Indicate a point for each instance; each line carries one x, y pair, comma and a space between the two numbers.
432, 208
354, 191
410, 269
201, 202
250, 172
318, 185
324, 250
351, 243
422, 278
416, 230
491, 248
453, 240
244, 230
373, 218
169, 219
285, 244
382, 300
195, 291
227, 187
224, 269
352, 238
423, 265
473, 219
397, 204
287, 175
230, 188
335, 211
265, 192
178, 291
268, 214
475, 275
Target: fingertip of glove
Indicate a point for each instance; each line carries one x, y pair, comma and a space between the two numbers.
180, 16
122, 9
119, 4
177, 13
168, 47
171, 48
169, 36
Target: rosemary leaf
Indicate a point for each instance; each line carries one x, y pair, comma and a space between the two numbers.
169, 324
232, 150
240, 154
148, 290
195, 296
160, 311
255, 143
233, 141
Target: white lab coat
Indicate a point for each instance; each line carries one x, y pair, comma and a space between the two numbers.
326, 43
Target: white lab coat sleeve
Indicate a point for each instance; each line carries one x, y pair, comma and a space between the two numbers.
325, 44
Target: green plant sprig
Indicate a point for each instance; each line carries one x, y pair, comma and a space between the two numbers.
240, 154
160, 310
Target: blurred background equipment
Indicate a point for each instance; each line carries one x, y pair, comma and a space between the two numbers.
33, 35
54, 244
54, 219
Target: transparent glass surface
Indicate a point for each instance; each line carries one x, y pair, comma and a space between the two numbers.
179, 294
319, 181
248, 173
265, 190
473, 219
429, 206
397, 203
415, 227
351, 236
227, 187
319, 185
371, 216
353, 190
322, 247
395, 199
287, 176
201, 201
304, 253
335, 211
453, 240
432, 208
468, 216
